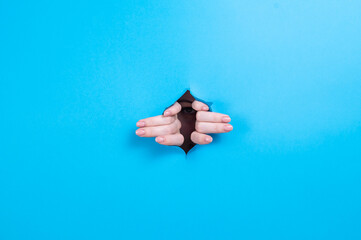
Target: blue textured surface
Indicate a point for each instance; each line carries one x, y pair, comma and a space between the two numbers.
76, 76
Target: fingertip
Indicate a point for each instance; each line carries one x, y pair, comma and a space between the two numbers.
226, 119
140, 132
173, 110
209, 139
140, 124
159, 139
199, 106
228, 127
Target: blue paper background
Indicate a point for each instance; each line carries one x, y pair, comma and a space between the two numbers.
76, 76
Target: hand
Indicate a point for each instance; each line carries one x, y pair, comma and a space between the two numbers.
208, 122
164, 127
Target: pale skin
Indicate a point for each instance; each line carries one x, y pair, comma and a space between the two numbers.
166, 128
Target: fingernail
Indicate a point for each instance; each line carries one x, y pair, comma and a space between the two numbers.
204, 108
228, 127
209, 139
140, 132
140, 124
166, 113
226, 119
159, 139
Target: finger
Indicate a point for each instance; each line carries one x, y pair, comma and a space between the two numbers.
206, 127
199, 106
173, 110
170, 140
159, 130
200, 138
155, 121
212, 117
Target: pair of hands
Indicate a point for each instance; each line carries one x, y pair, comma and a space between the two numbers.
166, 128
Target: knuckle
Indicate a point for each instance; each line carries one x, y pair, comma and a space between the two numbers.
181, 137
199, 115
178, 124
172, 128
168, 129
194, 137
179, 107
198, 105
199, 127
169, 120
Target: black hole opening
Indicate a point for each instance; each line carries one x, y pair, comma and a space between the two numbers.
187, 117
